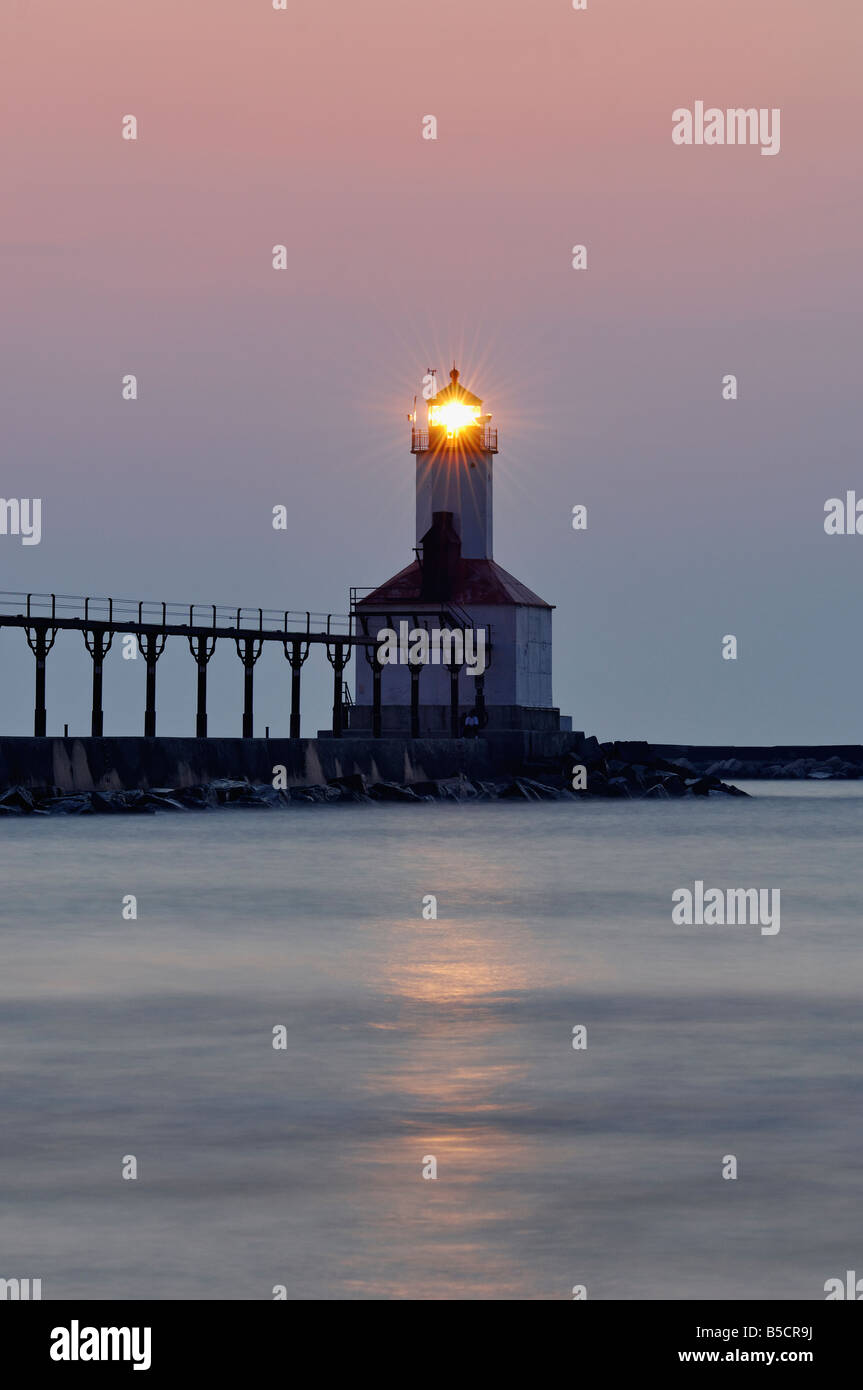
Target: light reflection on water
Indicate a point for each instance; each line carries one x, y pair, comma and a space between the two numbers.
450, 1038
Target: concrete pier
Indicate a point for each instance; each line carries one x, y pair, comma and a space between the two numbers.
128, 764
106, 764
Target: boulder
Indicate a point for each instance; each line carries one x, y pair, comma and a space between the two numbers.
354, 785
541, 792
194, 798
18, 797
513, 791
162, 801
391, 791
429, 790
77, 805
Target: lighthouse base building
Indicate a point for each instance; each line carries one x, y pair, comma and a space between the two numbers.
457, 645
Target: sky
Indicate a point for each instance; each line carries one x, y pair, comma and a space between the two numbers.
258, 387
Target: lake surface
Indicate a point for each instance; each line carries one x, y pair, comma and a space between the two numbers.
450, 1038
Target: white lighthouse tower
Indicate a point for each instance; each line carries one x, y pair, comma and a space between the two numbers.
455, 583
454, 467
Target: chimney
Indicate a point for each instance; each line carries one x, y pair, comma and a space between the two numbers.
441, 558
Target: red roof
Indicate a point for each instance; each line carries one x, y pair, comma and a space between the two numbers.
478, 581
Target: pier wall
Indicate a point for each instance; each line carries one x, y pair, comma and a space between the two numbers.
105, 764
126, 764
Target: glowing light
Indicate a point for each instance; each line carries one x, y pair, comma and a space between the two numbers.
454, 415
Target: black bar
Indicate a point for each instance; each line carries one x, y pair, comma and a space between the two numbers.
227, 1337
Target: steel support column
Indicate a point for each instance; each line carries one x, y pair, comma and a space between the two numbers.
297, 655
40, 645
98, 643
248, 650
202, 649
338, 661
151, 645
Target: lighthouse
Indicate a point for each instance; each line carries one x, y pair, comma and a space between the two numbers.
453, 587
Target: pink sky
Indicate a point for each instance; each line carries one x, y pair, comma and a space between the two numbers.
258, 127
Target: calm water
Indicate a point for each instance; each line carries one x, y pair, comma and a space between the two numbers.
450, 1038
